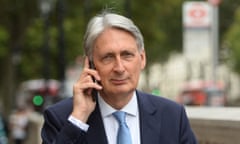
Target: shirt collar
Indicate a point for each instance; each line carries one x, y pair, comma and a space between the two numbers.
131, 108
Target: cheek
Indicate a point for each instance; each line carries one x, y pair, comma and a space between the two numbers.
136, 75
103, 73
135, 71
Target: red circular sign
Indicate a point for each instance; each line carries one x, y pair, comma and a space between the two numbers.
197, 13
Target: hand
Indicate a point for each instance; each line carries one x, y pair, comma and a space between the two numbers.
83, 104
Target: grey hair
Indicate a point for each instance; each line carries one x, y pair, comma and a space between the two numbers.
109, 20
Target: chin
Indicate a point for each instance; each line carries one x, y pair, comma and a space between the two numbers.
122, 91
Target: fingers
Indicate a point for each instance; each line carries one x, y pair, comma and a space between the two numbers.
89, 71
86, 62
83, 103
85, 81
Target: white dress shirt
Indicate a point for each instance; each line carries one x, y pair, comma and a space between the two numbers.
111, 124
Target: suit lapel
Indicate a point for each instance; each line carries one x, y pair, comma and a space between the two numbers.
96, 132
149, 124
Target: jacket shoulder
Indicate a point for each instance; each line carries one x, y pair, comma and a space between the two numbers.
157, 100
152, 103
61, 109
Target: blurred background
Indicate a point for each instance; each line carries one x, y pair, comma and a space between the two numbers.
193, 57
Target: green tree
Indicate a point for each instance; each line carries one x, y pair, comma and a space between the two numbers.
232, 41
15, 17
160, 22
3, 42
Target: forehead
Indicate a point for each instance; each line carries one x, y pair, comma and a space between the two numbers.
115, 36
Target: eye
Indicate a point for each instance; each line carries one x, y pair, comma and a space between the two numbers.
127, 55
107, 58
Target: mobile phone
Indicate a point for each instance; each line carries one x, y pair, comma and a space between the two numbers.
94, 91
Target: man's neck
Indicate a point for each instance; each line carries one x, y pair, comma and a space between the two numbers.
117, 101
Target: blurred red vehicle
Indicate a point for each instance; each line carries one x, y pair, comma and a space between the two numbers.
202, 93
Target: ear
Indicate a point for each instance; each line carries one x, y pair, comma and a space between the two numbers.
143, 59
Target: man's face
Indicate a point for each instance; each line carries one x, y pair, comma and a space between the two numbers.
118, 62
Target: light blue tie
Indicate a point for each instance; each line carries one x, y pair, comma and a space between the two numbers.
123, 136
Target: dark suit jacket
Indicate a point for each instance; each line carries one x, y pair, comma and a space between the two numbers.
161, 122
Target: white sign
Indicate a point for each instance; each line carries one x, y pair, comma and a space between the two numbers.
196, 45
196, 14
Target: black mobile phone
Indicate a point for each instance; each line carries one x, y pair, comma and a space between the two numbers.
94, 91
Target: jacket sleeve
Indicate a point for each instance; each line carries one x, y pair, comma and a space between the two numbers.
58, 130
186, 134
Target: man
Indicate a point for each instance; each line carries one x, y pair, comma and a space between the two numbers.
115, 46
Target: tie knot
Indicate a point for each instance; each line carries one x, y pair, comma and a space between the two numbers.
120, 116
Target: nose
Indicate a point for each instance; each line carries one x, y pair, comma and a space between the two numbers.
118, 66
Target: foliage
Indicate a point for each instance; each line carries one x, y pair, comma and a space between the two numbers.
159, 21
232, 39
3, 42
227, 9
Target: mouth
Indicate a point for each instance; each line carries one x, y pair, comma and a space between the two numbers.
119, 81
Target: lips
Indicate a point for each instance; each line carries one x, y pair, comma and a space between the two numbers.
118, 81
